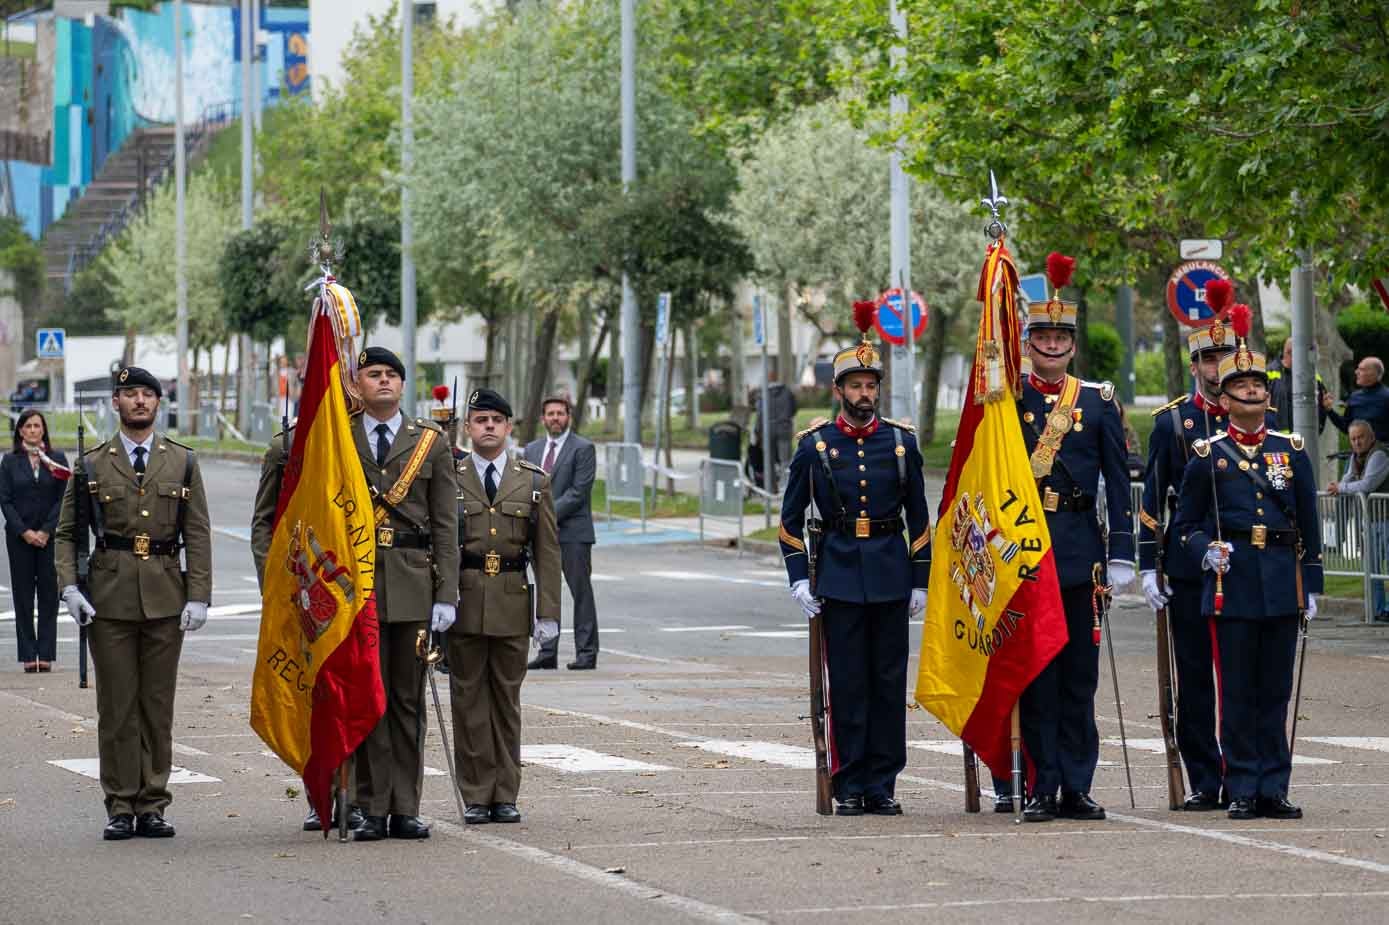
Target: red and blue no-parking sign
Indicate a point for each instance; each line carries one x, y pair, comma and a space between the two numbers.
1186, 292
888, 319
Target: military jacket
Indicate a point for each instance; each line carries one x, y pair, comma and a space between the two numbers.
1091, 448
123, 584
501, 531
859, 482
1176, 426
1272, 487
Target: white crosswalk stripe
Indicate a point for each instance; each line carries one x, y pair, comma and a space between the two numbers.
1156, 747
91, 767
574, 760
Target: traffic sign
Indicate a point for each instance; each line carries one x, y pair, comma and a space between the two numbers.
1033, 287
1186, 292
662, 319
49, 343
1202, 249
759, 325
888, 319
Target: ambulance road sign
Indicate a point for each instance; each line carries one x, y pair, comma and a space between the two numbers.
1186, 292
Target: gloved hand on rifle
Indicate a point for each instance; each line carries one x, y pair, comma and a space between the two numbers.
545, 630
918, 602
1151, 592
1120, 575
1217, 557
800, 590
1311, 606
80, 609
193, 617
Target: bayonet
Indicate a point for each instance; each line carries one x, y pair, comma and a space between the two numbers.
996, 229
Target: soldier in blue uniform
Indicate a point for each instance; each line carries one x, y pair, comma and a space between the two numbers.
864, 475
1248, 510
1075, 434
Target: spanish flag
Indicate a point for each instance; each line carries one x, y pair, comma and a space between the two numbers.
993, 613
317, 688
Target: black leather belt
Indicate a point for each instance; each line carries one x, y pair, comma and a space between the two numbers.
140, 544
862, 527
493, 564
391, 538
1260, 536
1052, 501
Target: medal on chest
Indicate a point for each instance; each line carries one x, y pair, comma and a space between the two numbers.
1278, 469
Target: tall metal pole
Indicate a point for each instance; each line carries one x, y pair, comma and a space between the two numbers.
407, 225
631, 321
257, 90
1123, 317
903, 357
186, 413
245, 360
1305, 414
765, 417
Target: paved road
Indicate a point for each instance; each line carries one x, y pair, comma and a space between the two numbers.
672, 785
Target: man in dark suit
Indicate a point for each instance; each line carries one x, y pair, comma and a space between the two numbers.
571, 463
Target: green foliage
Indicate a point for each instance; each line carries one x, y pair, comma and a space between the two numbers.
1149, 371
1365, 328
258, 281
371, 269
85, 308
1273, 341
1106, 350
22, 258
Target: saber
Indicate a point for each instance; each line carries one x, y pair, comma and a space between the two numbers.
1302, 646
1099, 601
1015, 737
429, 655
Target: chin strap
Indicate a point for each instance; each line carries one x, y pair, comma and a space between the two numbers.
1247, 402
1050, 356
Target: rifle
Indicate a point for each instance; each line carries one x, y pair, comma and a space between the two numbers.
1167, 709
971, 780
819, 702
81, 541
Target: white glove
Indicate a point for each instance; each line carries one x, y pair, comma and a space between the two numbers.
918, 603
800, 590
79, 608
546, 630
1311, 606
193, 617
1120, 574
1217, 557
1156, 599
442, 617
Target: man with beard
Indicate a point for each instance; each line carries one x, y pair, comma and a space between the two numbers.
1248, 509
1179, 424
863, 474
1075, 435
145, 505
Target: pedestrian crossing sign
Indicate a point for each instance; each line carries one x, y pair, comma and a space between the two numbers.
50, 342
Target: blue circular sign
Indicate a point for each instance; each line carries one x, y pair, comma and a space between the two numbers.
888, 320
1186, 292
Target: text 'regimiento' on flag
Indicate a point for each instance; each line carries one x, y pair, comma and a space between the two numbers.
317, 688
993, 612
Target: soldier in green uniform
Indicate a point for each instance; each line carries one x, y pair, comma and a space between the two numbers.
509, 524
145, 505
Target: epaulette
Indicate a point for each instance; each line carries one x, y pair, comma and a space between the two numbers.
814, 426
1169, 406
428, 424
357, 413
527, 464
1106, 388
176, 443
97, 449
1292, 437
1203, 447
907, 427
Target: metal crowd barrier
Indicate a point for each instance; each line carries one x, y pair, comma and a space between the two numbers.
721, 493
624, 476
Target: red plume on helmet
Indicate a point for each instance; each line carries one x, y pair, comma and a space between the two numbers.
1060, 269
441, 392
1219, 294
864, 312
1240, 317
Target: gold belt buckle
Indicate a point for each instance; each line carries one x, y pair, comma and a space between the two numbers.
142, 545
492, 564
1258, 536
385, 536
1050, 500
863, 528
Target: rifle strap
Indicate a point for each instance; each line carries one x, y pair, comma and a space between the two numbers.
821, 451
1178, 433
183, 498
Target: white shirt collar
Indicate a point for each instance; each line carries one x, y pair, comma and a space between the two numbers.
557, 441
392, 425
480, 465
130, 445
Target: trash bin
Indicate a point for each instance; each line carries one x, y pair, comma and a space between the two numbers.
726, 440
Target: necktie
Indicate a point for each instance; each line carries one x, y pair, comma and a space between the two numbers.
490, 482
549, 464
383, 444
140, 462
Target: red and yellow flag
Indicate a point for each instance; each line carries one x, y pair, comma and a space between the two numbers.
317, 688
993, 612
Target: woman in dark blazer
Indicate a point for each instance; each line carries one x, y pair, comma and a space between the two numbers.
32, 479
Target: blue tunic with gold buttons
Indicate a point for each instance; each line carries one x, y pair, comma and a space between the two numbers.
863, 482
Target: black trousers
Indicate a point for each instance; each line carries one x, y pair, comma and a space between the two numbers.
1254, 661
1058, 707
866, 646
576, 561
32, 570
1191, 650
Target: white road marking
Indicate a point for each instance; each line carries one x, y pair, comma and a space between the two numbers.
1156, 747
181, 749
574, 760
709, 576
951, 747
434, 772
91, 767
233, 610
787, 756
684, 905
776, 634
597, 577
250, 578
701, 629
1064, 900
1374, 743
46, 708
